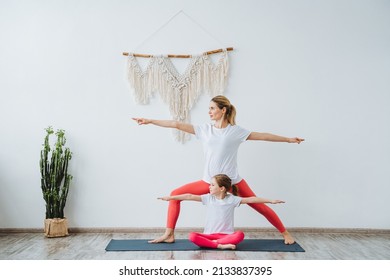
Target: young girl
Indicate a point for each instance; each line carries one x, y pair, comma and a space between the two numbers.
219, 229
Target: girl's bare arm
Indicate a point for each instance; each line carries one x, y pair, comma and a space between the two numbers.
253, 199
186, 196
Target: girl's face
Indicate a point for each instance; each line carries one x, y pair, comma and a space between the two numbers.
215, 113
215, 189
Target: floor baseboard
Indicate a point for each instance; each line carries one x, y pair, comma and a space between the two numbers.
184, 230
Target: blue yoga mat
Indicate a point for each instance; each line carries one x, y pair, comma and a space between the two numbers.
267, 245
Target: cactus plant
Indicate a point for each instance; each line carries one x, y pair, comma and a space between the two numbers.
55, 179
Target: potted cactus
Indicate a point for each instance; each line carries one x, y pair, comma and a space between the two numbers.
55, 182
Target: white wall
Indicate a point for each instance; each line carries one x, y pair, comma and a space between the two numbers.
313, 69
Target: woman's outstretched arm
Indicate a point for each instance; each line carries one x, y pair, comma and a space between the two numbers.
186, 127
273, 138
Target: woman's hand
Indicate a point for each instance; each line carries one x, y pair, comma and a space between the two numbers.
142, 121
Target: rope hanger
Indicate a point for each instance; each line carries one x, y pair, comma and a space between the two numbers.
177, 55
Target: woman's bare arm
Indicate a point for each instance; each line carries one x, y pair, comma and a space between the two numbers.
186, 127
273, 138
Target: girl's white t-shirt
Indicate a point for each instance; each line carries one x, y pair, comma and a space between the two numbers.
220, 149
220, 213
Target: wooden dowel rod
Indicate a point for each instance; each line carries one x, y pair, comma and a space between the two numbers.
177, 55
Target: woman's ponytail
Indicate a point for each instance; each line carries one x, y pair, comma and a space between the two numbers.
231, 114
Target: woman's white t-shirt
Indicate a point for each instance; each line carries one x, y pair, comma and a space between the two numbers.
220, 213
220, 149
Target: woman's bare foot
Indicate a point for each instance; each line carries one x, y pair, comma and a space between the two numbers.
167, 237
288, 239
227, 246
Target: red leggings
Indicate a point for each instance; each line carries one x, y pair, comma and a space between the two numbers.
212, 240
201, 187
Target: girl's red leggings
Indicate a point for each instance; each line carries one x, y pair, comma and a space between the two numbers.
201, 187
212, 240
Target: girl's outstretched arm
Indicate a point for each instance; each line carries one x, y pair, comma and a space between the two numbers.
186, 196
273, 138
186, 127
254, 199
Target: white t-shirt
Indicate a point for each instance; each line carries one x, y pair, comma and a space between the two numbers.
220, 148
220, 213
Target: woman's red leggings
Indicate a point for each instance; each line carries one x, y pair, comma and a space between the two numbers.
212, 240
201, 187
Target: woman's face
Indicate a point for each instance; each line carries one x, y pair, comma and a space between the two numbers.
215, 113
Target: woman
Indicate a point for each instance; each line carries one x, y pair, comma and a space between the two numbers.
221, 141
219, 230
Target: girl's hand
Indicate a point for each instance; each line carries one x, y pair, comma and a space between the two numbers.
276, 201
165, 198
295, 140
141, 121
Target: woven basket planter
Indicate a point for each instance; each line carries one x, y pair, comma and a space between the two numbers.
56, 227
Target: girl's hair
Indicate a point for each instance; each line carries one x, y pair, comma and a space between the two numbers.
223, 102
224, 181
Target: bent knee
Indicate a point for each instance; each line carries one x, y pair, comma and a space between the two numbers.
192, 236
240, 234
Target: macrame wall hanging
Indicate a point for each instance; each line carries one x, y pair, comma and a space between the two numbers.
178, 91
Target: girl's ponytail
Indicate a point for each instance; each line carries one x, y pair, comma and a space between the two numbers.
235, 190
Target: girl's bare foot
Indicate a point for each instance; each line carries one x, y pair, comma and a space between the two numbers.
167, 237
288, 239
227, 246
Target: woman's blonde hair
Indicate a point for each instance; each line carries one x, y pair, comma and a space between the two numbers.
225, 181
223, 102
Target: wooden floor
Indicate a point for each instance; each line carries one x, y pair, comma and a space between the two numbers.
91, 246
